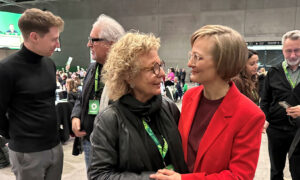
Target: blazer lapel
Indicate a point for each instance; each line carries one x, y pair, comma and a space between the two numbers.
218, 122
188, 112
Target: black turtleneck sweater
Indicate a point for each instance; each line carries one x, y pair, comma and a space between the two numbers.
27, 101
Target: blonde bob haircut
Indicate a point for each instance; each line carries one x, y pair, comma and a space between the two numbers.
123, 64
230, 52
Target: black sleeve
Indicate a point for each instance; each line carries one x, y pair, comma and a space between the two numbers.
78, 103
266, 96
104, 150
6, 90
171, 109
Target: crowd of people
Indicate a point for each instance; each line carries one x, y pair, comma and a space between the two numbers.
69, 84
127, 128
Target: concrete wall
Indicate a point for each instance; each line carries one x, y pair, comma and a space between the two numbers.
172, 20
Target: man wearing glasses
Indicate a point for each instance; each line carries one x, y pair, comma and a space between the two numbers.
104, 33
282, 84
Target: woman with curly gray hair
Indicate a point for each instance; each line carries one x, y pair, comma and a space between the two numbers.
137, 134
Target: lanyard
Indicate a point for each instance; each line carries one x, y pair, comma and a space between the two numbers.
293, 84
162, 150
96, 79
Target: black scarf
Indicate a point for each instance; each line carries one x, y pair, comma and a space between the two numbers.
164, 125
141, 109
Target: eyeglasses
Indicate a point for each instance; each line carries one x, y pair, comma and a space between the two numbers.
93, 40
155, 68
194, 57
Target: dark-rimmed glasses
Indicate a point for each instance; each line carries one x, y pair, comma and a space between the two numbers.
93, 40
155, 68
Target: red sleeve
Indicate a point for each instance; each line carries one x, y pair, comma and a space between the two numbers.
245, 152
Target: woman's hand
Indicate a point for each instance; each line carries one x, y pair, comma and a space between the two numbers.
293, 111
165, 174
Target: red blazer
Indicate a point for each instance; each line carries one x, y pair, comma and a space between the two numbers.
229, 148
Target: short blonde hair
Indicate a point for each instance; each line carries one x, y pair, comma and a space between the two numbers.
122, 64
36, 20
230, 51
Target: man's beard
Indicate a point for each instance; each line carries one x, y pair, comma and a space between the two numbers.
293, 63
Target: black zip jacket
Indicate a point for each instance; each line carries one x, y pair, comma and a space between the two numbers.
277, 88
81, 106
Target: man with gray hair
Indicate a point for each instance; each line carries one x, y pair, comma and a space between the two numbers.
279, 101
104, 33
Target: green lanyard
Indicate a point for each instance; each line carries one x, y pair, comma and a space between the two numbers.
162, 150
293, 84
96, 79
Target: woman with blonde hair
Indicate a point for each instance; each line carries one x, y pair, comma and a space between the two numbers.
137, 134
220, 128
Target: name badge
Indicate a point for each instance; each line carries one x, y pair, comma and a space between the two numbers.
93, 107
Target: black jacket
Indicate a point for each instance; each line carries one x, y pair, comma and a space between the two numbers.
122, 149
72, 97
81, 106
277, 88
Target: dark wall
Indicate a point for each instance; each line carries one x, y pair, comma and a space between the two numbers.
172, 20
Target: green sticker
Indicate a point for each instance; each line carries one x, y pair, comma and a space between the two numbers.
93, 107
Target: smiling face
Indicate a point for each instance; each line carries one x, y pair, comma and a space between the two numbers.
146, 83
252, 65
203, 67
99, 49
291, 51
45, 45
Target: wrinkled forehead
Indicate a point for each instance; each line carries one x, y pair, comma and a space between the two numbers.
291, 44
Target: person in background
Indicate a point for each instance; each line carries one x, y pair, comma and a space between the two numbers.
28, 99
169, 81
220, 128
177, 72
11, 30
282, 84
58, 84
261, 80
64, 78
184, 88
246, 81
182, 77
294, 149
137, 134
104, 33
178, 89
72, 91
78, 83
